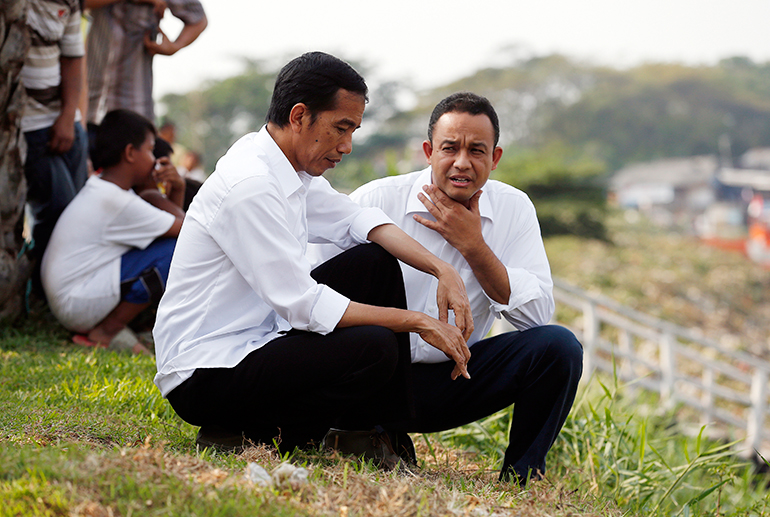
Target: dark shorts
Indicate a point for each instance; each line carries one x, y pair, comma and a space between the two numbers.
143, 273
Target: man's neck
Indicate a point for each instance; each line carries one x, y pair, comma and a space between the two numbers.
118, 176
282, 136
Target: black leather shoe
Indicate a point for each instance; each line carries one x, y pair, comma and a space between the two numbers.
374, 445
212, 437
404, 447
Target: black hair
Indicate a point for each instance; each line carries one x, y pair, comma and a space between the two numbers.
162, 148
312, 79
464, 102
118, 129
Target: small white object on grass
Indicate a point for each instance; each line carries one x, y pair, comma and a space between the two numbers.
284, 475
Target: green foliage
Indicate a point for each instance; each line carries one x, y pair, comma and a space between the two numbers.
643, 462
211, 119
614, 116
660, 110
566, 188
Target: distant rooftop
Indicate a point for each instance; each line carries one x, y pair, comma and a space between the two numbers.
757, 158
675, 172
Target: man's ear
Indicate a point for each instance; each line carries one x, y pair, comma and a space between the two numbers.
496, 155
129, 153
296, 116
427, 148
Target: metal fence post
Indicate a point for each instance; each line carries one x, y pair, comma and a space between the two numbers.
757, 411
590, 335
626, 363
707, 397
667, 368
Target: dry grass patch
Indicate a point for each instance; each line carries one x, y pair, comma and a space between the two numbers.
338, 486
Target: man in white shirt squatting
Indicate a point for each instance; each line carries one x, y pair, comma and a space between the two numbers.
489, 232
249, 341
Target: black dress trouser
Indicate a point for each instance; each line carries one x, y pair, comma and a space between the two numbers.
299, 385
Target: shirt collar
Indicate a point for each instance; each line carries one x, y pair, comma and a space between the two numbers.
414, 205
281, 168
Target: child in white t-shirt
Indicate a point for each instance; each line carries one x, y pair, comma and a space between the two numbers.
110, 251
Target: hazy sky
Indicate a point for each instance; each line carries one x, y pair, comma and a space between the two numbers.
432, 42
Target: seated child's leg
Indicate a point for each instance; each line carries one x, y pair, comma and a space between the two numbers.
143, 275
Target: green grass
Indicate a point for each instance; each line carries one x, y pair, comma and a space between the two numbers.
617, 446
86, 431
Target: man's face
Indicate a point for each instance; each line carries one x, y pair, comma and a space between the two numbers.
462, 154
321, 143
145, 159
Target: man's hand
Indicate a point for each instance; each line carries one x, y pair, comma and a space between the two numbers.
166, 47
451, 294
443, 336
448, 339
166, 174
62, 135
451, 289
458, 225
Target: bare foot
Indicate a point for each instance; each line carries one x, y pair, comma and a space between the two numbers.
139, 349
98, 335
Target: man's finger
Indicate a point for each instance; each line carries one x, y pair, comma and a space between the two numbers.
443, 312
429, 205
460, 369
425, 222
463, 320
438, 196
474, 202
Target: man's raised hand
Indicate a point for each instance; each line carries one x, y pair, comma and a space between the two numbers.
459, 225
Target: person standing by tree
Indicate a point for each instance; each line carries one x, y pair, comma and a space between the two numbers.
56, 164
13, 264
124, 38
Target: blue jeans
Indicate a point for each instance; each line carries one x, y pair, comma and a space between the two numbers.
53, 180
144, 273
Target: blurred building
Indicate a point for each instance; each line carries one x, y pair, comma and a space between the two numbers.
702, 196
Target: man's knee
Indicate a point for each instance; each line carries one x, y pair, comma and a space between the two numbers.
564, 348
375, 257
378, 350
559, 347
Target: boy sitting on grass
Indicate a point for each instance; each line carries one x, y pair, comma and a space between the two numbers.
109, 255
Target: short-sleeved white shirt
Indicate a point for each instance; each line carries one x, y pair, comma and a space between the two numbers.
80, 270
239, 276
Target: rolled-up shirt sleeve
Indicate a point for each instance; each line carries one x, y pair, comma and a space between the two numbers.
531, 302
253, 230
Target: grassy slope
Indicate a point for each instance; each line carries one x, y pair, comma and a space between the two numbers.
675, 278
85, 432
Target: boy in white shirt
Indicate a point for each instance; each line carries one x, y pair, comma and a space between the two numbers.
110, 251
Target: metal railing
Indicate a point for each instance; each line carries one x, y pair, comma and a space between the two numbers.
727, 390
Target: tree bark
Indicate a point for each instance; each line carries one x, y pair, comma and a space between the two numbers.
14, 266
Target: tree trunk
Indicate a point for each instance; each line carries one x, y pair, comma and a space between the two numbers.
14, 267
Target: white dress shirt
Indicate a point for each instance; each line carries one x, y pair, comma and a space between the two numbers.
239, 276
510, 228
